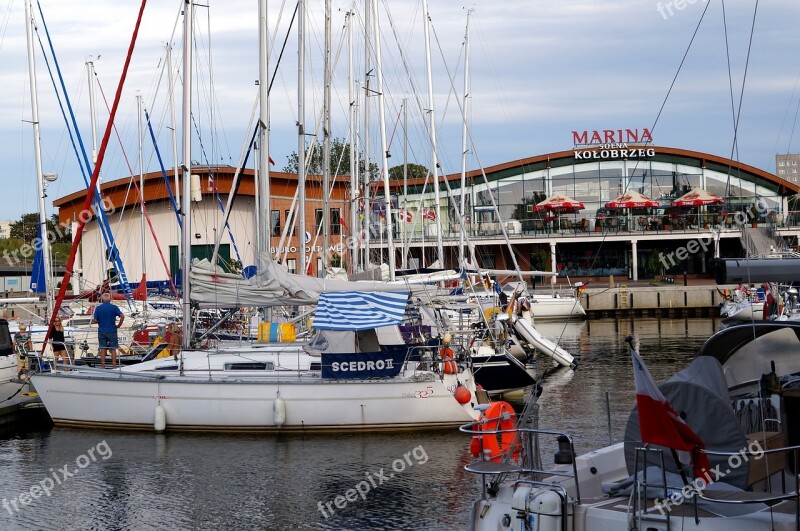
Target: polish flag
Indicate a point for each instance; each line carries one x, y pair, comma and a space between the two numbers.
660, 424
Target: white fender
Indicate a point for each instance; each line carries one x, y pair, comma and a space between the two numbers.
160, 422
279, 411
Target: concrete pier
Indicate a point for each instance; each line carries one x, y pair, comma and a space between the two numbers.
652, 300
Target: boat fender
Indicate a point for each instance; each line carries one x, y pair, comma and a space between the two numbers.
160, 422
279, 411
462, 394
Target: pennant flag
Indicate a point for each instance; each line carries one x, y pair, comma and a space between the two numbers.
660, 424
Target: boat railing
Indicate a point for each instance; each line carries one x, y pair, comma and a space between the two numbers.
528, 439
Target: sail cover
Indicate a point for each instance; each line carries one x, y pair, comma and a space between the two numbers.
359, 310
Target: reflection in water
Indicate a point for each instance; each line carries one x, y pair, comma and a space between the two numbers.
182, 481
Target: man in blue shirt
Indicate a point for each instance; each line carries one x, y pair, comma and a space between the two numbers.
105, 315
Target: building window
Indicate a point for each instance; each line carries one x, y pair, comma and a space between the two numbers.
290, 222
781, 163
291, 265
781, 172
336, 221
794, 163
318, 220
320, 268
275, 223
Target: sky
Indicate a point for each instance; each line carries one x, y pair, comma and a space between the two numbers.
537, 71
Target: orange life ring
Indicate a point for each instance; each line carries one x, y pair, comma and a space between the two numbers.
447, 354
498, 417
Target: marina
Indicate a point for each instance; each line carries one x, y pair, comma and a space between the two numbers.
424, 318
185, 481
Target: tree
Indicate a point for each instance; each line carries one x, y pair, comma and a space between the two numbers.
340, 160
26, 229
415, 171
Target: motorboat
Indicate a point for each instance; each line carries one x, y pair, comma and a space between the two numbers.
740, 395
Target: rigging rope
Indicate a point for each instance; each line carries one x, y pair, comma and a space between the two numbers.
62, 291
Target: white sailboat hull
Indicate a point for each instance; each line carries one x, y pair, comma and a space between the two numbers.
549, 307
248, 403
547, 347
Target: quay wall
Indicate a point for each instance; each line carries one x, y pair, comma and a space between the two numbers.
669, 301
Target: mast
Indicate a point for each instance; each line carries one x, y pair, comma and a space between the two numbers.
326, 144
37, 151
432, 124
186, 121
301, 134
462, 214
141, 200
405, 182
384, 147
367, 173
174, 127
265, 217
354, 221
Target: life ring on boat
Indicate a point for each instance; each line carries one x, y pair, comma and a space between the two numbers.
498, 417
448, 356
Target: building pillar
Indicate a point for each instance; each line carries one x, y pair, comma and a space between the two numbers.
553, 261
634, 260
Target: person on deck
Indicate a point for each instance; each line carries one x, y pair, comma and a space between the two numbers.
770, 304
57, 341
23, 346
105, 315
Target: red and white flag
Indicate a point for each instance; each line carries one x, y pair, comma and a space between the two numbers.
660, 424
429, 213
405, 215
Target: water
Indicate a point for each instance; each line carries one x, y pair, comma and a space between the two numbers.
125, 480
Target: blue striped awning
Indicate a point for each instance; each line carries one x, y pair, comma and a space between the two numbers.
359, 310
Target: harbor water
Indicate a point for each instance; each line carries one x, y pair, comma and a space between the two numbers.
84, 479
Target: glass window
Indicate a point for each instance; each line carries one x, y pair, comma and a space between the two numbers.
318, 219
320, 268
781, 163
291, 265
290, 222
275, 223
336, 221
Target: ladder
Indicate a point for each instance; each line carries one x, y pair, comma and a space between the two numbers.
623, 297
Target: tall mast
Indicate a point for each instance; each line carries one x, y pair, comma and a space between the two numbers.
326, 143
141, 184
186, 121
301, 136
432, 124
37, 152
354, 221
367, 173
265, 218
384, 146
462, 221
405, 182
174, 126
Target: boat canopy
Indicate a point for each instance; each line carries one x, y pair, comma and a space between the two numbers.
700, 395
359, 310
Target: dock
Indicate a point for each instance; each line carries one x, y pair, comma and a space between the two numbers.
23, 409
654, 300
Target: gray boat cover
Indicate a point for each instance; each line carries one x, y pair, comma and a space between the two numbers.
699, 393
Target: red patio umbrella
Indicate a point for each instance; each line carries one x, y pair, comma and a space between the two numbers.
697, 197
559, 203
632, 199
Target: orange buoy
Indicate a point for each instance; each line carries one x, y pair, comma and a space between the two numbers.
462, 394
498, 419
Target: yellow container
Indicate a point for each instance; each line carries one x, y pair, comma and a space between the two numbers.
288, 332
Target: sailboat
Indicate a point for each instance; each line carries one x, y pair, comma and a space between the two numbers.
356, 373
